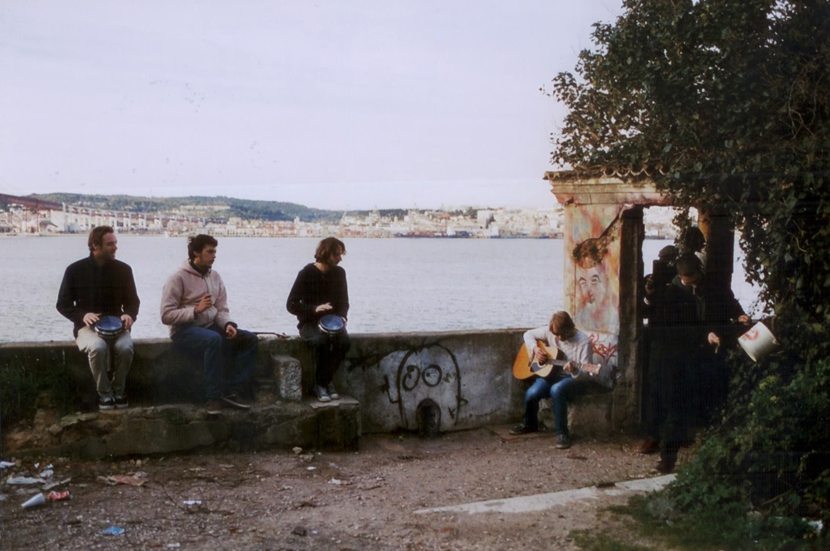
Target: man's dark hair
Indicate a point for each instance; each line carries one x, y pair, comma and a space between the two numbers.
327, 248
692, 239
197, 244
96, 236
668, 254
689, 265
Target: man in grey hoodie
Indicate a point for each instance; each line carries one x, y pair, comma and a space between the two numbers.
194, 304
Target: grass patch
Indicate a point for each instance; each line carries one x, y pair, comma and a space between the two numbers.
589, 540
724, 528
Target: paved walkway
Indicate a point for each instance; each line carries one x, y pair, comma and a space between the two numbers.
542, 502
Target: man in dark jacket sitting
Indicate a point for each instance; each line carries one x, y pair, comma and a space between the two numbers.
94, 287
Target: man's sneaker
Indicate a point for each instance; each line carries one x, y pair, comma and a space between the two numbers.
121, 401
106, 403
235, 400
562, 442
213, 406
321, 394
332, 392
521, 429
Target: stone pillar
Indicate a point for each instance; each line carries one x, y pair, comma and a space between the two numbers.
628, 390
603, 232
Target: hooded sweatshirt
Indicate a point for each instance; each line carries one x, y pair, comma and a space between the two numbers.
183, 291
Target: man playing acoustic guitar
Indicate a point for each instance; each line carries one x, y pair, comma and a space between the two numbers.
562, 385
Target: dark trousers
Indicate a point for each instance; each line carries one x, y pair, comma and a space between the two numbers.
674, 409
228, 363
328, 351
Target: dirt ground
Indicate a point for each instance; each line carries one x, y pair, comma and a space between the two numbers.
284, 500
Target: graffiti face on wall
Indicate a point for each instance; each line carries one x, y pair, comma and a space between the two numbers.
596, 257
591, 287
425, 384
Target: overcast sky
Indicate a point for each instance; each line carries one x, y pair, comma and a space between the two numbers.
330, 104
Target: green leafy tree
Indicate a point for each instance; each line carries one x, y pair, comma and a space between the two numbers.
726, 103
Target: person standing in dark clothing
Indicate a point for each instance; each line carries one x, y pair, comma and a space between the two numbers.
321, 290
654, 290
691, 324
94, 287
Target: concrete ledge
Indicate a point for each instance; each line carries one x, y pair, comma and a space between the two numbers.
289, 377
182, 428
590, 414
419, 382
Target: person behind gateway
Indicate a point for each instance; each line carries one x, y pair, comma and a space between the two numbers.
562, 386
320, 290
194, 303
92, 288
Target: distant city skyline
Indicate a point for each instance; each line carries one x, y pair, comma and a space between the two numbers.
417, 196
327, 104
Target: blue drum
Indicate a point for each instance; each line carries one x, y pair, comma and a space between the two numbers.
331, 325
108, 327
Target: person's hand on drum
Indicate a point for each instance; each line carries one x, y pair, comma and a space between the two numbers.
324, 307
230, 331
204, 303
128, 321
90, 318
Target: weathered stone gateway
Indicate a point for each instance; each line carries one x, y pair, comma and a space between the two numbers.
425, 382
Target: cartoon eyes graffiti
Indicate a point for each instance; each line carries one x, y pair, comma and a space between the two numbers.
431, 376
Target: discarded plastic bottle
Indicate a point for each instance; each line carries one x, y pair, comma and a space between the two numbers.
35, 501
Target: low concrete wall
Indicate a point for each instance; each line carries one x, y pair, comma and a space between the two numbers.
421, 381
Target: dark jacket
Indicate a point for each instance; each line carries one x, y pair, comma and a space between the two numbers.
682, 318
313, 288
108, 290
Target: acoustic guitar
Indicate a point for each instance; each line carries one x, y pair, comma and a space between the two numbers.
523, 367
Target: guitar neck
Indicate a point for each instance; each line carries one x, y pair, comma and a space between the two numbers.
591, 369
552, 352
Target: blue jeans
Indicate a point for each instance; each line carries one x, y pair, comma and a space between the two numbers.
561, 391
228, 363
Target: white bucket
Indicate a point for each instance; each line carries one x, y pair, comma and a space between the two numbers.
758, 341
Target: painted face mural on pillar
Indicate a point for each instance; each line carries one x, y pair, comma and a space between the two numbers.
591, 286
597, 285
427, 389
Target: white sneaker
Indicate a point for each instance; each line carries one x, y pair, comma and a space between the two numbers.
332, 392
321, 394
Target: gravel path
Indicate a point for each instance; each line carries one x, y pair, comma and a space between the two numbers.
327, 501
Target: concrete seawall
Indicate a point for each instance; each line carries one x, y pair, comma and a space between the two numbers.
427, 382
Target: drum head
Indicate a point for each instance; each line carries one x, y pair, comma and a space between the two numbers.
109, 326
331, 324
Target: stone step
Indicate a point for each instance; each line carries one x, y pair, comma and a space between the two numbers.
180, 428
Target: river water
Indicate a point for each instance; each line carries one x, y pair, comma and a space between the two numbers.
395, 285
